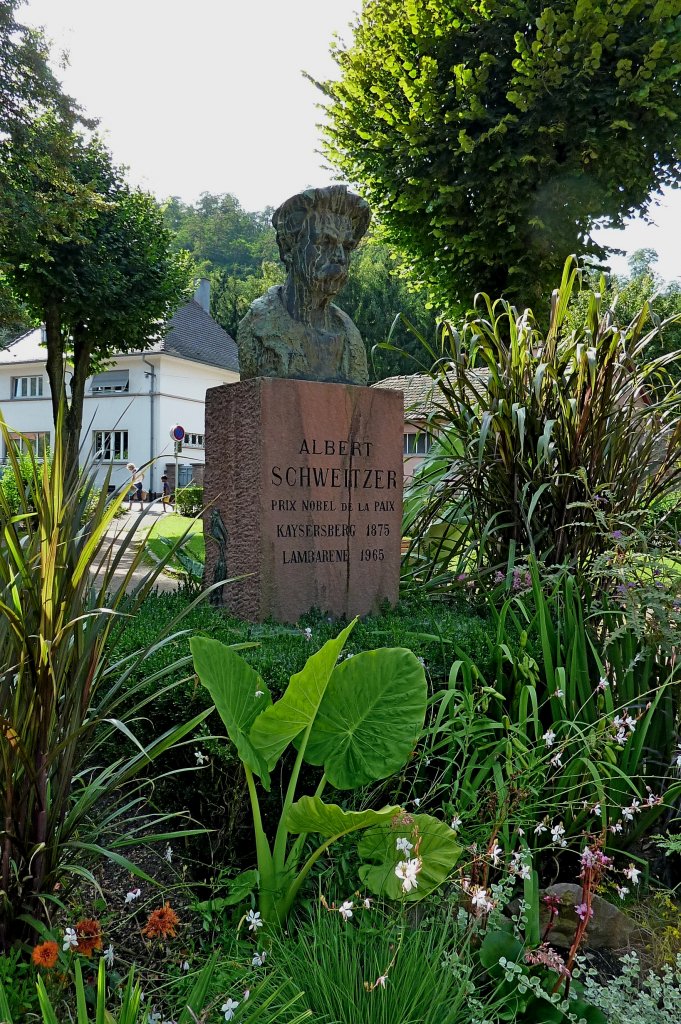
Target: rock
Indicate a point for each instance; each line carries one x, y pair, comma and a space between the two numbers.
609, 928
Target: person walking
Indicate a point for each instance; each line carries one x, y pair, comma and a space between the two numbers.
165, 497
136, 490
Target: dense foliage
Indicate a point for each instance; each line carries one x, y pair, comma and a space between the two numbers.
60, 694
108, 290
490, 137
553, 444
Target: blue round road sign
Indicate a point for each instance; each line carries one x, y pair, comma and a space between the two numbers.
177, 432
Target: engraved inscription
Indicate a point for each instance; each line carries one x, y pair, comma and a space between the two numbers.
354, 476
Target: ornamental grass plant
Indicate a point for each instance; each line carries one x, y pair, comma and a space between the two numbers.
62, 589
547, 444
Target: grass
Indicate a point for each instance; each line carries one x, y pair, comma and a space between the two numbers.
173, 526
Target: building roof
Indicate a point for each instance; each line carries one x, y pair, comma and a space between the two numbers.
26, 348
421, 391
192, 334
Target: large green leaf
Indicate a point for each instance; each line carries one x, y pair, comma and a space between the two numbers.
233, 686
311, 814
438, 850
370, 718
280, 723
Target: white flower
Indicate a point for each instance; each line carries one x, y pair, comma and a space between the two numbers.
407, 871
627, 814
70, 939
549, 737
596, 809
382, 980
520, 831
632, 874
525, 872
201, 758
622, 891
541, 827
677, 757
403, 845
109, 955
417, 801
254, 921
617, 827
635, 807
621, 737
557, 760
367, 903
259, 958
229, 1007
559, 694
456, 823
603, 684
495, 854
259, 693
480, 899
247, 994
307, 633
557, 833
168, 854
133, 895
154, 1018
345, 910
184, 966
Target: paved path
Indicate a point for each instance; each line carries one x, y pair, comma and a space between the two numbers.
117, 535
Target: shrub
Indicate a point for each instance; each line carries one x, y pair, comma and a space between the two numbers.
189, 501
217, 796
578, 722
548, 444
59, 693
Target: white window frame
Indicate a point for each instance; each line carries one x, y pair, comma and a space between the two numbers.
416, 442
39, 440
192, 439
31, 386
110, 445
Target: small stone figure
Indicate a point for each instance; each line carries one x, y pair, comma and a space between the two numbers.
295, 330
219, 533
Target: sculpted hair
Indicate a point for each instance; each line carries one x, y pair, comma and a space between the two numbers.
289, 218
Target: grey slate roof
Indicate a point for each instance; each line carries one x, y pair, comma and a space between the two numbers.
193, 334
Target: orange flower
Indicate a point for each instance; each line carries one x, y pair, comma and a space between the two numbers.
161, 923
89, 934
45, 955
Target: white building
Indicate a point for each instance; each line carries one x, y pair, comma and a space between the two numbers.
130, 407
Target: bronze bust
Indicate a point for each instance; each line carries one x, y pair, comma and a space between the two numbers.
295, 330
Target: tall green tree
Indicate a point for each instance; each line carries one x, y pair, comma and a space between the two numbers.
37, 122
490, 136
110, 289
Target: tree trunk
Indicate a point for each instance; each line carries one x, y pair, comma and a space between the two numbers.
72, 415
73, 420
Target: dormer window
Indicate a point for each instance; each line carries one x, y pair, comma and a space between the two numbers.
111, 382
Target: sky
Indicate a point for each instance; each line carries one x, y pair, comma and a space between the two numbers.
208, 96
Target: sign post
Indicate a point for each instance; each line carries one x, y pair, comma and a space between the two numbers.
177, 433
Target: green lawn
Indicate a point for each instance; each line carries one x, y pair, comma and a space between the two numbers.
165, 533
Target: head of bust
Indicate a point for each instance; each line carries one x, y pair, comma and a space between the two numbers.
316, 231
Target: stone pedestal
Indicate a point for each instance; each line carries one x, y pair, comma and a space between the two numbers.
303, 487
